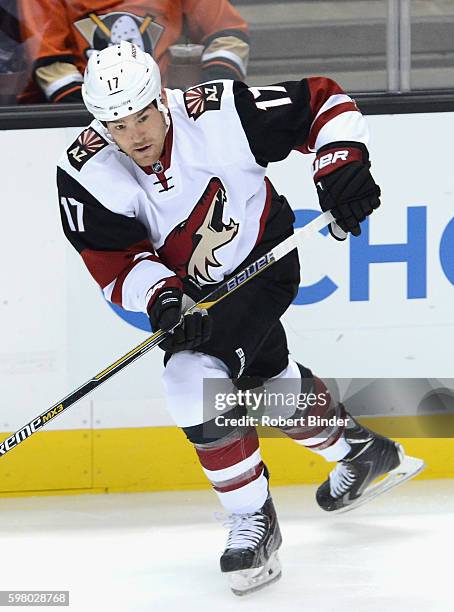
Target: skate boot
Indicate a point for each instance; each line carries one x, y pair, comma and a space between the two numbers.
350, 483
250, 559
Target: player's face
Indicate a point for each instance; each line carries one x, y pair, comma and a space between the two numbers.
140, 135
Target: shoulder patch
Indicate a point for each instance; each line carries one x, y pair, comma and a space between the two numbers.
203, 98
87, 144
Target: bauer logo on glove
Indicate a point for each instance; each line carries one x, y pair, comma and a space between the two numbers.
345, 185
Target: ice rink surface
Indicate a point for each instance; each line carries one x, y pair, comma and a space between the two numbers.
153, 552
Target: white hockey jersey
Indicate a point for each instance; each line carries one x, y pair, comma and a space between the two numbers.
206, 205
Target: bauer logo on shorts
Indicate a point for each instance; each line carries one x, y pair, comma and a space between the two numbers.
87, 144
203, 98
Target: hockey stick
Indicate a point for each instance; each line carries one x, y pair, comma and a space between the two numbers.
276, 253
101, 25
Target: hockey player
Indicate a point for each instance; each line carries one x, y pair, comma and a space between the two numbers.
164, 195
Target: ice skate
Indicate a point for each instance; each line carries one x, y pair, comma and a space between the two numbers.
351, 483
250, 559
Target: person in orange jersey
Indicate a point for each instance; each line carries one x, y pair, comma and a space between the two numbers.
66, 32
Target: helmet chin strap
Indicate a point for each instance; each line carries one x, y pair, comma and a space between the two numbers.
162, 108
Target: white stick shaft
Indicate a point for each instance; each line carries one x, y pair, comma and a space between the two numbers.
296, 239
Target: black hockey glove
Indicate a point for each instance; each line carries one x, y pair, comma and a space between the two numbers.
345, 185
168, 310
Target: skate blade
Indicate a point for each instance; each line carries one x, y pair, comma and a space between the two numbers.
408, 468
244, 582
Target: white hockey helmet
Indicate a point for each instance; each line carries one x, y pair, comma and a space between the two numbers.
121, 80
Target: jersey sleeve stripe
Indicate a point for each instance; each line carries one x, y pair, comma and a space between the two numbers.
65, 92
133, 284
225, 64
347, 126
106, 265
320, 90
126, 276
131, 290
323, 120
333, 101
232, 32
51, 59
53, 88
221, 54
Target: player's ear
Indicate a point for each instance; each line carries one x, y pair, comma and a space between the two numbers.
164, 96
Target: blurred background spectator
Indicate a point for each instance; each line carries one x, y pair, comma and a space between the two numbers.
65, 32
359, 43
12, 65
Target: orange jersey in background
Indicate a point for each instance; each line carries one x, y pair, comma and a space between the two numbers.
65, 32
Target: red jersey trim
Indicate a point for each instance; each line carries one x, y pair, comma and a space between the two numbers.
330, 160
326, 117
265, 212
117, 293
105, 266
320, 89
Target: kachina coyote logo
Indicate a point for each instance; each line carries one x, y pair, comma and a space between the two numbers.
101, 31
190, 248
